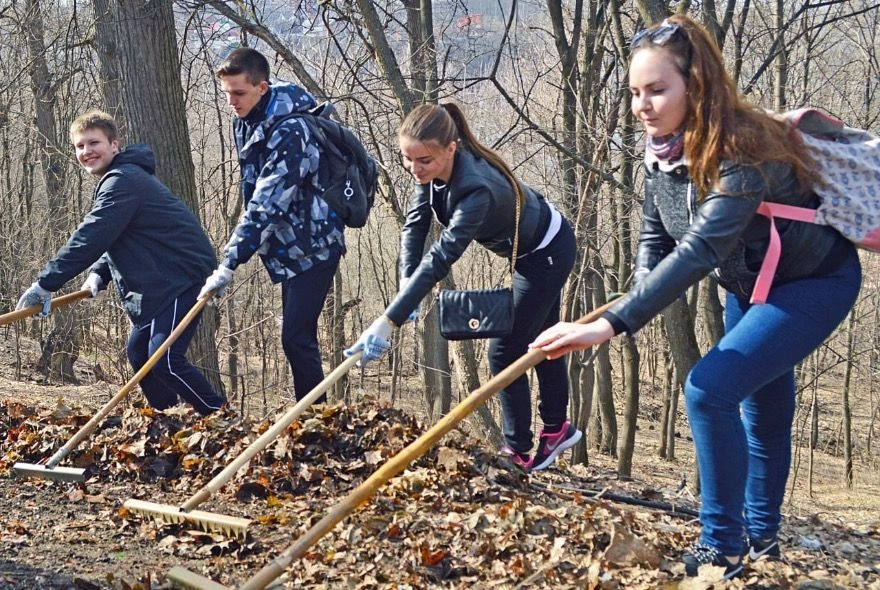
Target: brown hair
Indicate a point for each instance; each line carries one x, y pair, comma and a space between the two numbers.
95, 119
444, 124
248, 61
721, 124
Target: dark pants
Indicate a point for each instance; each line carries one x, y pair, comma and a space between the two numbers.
172, 377
741, 401
302, 299
537, 284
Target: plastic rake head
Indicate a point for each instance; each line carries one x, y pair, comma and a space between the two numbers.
186, 579
231, 526
47, 472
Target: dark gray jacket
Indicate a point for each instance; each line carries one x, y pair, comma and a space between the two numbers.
681, 241
478, 204
140, 234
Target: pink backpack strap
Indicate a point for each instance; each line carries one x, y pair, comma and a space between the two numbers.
771, 258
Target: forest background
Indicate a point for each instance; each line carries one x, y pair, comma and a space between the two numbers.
544, 83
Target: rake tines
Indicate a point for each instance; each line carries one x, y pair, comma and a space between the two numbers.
231, 526
221, 523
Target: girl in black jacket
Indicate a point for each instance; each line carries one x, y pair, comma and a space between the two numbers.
710, 160
473, 194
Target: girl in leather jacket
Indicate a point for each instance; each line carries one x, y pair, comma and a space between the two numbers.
473, 194
711, 159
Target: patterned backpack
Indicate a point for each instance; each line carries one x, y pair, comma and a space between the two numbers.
849, 165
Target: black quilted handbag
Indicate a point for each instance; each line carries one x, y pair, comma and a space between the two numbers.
483, 313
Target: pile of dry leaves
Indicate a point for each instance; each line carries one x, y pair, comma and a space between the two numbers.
458, 517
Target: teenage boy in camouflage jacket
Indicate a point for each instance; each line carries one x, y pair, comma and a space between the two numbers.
298, 237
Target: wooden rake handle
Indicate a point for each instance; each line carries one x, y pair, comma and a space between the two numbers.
399, 462
271, 434
20, 314
90, 426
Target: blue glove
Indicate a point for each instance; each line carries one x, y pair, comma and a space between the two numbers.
36, 295
375, 341
414, 314
94, 283
218, 281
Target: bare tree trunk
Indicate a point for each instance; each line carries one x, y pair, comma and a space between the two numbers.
626, 446
334, 314
605, 399
847, 409
669, 425
582, 380
712, 311
436, 372
780, 77
60, 348
155, 110
679, 326
466, 369
652, 11
666, 408
108, 59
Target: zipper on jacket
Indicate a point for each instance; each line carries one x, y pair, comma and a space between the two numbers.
691, 204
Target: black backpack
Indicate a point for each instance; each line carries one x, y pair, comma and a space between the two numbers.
347, 172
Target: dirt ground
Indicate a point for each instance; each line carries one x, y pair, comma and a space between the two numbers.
460, 517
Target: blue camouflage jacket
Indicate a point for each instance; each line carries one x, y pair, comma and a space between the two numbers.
279, 186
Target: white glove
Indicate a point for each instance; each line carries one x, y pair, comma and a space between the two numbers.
414, 314
375, 341
94, 283
218, 281
36, 295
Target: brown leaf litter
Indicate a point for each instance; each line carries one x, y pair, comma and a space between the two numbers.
458, 517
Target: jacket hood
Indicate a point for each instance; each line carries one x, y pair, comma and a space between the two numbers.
138, 154
287, 98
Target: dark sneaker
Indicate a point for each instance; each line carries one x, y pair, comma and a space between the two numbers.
701, 554
761, 548
551, 445
520, 459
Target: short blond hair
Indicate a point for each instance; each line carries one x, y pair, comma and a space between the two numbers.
95, 119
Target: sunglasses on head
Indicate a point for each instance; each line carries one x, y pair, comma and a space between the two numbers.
659, 35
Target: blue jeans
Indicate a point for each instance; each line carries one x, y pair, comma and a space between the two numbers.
537, 283
172, 377
740, 401
302, 299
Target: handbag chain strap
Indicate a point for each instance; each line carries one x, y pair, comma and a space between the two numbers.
519, 198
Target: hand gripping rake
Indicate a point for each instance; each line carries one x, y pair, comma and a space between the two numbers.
392, 467
51, 470
20, 314
220, 522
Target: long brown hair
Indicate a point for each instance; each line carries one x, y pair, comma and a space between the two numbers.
720, 123
446, 123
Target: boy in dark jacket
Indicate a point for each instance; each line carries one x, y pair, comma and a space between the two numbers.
297, 235
147, 240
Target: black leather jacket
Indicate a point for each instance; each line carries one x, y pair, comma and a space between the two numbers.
477, 204
682, 241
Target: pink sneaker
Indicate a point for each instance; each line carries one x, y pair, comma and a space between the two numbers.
519, 459
551, 445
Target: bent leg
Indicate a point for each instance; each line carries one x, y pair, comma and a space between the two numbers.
753, 365
303, 299
173, 374
537, 283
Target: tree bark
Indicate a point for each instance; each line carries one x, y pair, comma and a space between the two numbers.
155, 112
626, 445
60, 348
